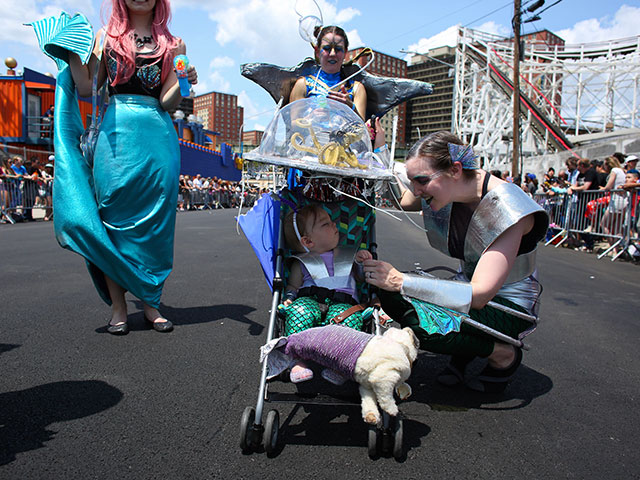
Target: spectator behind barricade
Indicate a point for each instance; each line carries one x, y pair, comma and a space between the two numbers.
563, 178
531, 184
612, 220
180, 194
631, 163
185, 190
572, 170
598, 166
30, 188
632, 184
47, 180
506, 177
550, 180
517, 180
7, 177
215, 191
20, 172
47, 123
190, 188
587, 179
197, 182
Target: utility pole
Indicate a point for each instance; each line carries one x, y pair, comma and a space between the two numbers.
515, 162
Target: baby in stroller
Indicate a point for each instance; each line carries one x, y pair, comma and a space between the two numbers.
321, 288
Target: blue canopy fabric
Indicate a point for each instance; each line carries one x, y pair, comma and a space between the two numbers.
261, 226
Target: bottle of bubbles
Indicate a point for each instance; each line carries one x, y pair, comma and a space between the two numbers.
181, 64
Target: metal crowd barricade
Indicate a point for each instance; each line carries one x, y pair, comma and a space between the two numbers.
23, 196
590, 214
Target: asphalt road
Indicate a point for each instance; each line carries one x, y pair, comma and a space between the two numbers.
76, 402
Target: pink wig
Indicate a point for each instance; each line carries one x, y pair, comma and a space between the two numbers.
120, 39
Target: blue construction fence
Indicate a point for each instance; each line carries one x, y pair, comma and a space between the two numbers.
196, 159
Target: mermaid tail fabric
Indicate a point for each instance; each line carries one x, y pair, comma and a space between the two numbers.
59, 36
134, 245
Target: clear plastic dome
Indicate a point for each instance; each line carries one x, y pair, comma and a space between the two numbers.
320, 135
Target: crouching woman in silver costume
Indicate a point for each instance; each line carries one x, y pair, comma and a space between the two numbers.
493, 228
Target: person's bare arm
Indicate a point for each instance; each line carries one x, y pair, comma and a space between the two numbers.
170, 95
496, 262
299, 90
295, 280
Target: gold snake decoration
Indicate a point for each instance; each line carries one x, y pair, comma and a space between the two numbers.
334, 153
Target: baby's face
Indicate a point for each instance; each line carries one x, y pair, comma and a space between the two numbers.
324, 233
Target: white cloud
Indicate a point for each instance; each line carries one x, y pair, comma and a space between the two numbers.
215, 82
624, 24
250, 109
496, 29
446, 37
222, 62
15, 13
273, 37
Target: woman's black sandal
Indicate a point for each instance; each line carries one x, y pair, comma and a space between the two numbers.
495, 380
453, 374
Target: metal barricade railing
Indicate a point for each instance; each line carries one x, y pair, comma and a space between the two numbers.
589, 215
20, 197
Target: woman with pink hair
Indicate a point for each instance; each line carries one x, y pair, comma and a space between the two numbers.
119, 212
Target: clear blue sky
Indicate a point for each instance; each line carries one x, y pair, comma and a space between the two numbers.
222, 34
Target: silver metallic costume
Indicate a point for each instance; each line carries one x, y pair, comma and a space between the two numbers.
500, 209
343, 264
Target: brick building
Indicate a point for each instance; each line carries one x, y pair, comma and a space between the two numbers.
432, 113
252, 138
220, 112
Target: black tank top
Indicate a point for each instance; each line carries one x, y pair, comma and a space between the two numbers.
459, 223
146, 80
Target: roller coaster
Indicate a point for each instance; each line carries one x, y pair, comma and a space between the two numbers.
565, 91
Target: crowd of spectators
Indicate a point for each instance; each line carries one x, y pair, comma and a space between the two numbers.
200, 193
24, 186
599, 194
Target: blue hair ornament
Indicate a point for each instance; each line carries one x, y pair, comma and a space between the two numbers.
463, 154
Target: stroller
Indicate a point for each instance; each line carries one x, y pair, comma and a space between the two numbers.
339, 145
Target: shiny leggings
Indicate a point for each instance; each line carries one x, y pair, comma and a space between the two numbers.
468, 341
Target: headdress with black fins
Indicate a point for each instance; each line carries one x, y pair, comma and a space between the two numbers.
383, 93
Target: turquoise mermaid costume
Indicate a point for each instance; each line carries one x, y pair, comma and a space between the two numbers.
120, 214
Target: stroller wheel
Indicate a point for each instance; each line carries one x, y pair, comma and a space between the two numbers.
398, 442
248, 418
271, 429
373, 441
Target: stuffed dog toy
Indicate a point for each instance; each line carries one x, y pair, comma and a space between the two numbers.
380, 364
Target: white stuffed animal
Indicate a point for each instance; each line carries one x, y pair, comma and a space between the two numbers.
384, 366
380, 364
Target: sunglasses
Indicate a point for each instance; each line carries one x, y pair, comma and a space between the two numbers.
425, 179
333, 46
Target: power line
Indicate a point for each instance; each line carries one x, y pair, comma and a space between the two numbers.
432, 22
490, 13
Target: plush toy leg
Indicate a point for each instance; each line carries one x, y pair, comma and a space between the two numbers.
370, 412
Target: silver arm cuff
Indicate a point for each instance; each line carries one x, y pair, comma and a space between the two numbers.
446, 293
